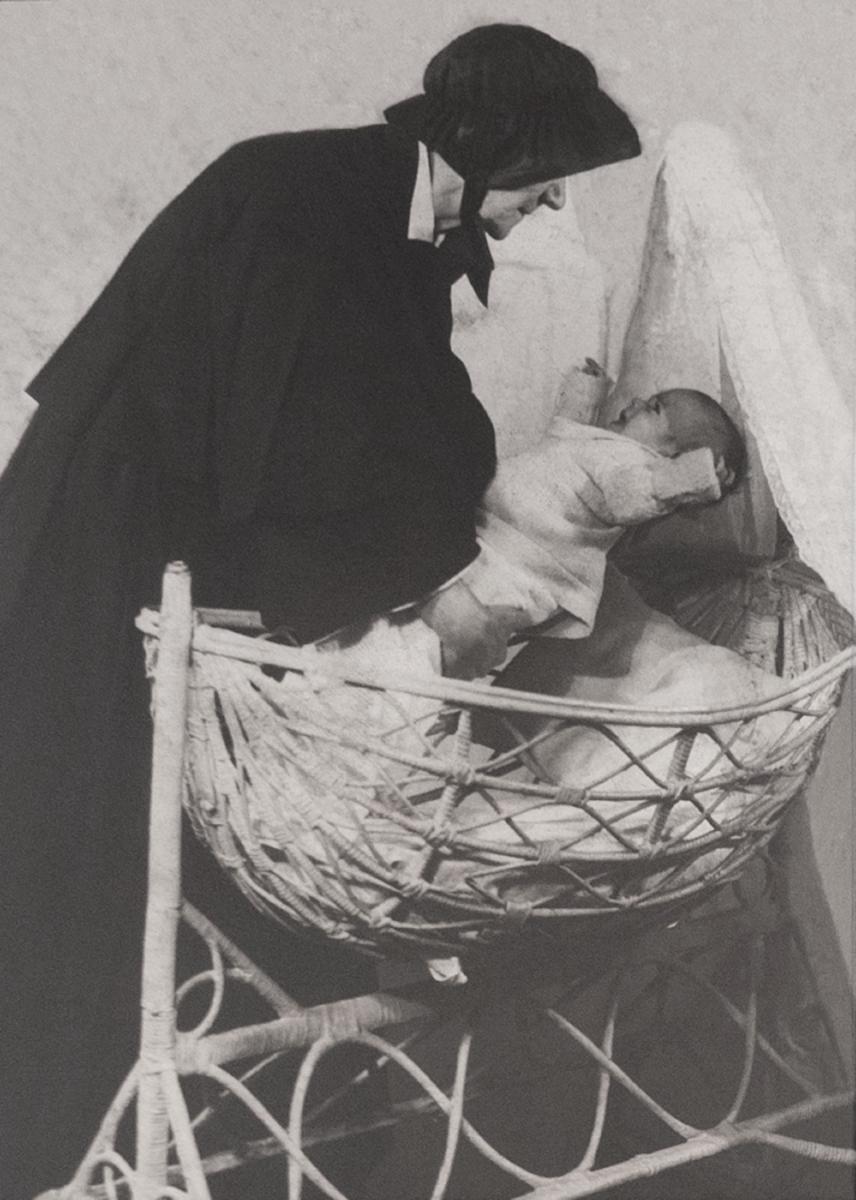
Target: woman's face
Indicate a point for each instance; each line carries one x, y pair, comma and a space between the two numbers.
502, 209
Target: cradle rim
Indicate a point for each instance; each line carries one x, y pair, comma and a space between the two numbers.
227, 644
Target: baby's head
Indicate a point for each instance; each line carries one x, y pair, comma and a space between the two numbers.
682, 419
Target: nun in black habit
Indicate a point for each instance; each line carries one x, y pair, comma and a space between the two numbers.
266, 390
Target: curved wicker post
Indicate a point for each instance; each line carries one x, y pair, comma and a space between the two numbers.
157, 1037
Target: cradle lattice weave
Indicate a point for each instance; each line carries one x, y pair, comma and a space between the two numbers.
365, 810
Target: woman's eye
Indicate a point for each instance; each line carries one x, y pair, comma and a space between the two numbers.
655, 406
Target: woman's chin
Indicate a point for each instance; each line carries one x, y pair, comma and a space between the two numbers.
498, 230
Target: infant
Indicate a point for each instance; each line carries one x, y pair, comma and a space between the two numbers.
552, 513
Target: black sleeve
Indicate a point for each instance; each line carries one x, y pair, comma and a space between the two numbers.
375, 466
321, 574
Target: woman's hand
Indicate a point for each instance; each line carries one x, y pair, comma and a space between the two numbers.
473, 637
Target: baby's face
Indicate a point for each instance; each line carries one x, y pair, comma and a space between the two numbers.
650, 422
671, 422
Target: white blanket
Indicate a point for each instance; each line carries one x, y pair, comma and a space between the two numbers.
638, 657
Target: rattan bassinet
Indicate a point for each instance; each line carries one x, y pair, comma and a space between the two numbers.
340, 809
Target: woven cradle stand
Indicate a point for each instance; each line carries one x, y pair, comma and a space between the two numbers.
369, 812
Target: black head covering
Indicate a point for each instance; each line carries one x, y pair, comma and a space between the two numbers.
508, 105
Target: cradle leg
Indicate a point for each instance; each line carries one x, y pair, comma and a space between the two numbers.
157, 1038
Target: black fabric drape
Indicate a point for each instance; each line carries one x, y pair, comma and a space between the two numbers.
265, 388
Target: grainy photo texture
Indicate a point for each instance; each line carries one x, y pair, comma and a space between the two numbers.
427, 592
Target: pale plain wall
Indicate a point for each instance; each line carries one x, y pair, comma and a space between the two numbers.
107, 107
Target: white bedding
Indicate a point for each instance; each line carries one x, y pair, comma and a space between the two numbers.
635, 656
638, 657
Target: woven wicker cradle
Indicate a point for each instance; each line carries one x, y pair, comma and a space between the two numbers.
363, 809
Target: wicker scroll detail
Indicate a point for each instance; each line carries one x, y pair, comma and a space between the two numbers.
373, 811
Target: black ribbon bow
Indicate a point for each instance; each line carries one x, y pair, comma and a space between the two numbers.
464, 251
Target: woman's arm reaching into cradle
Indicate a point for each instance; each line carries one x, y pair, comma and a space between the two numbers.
473, 636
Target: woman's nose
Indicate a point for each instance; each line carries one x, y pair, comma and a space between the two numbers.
555, 194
